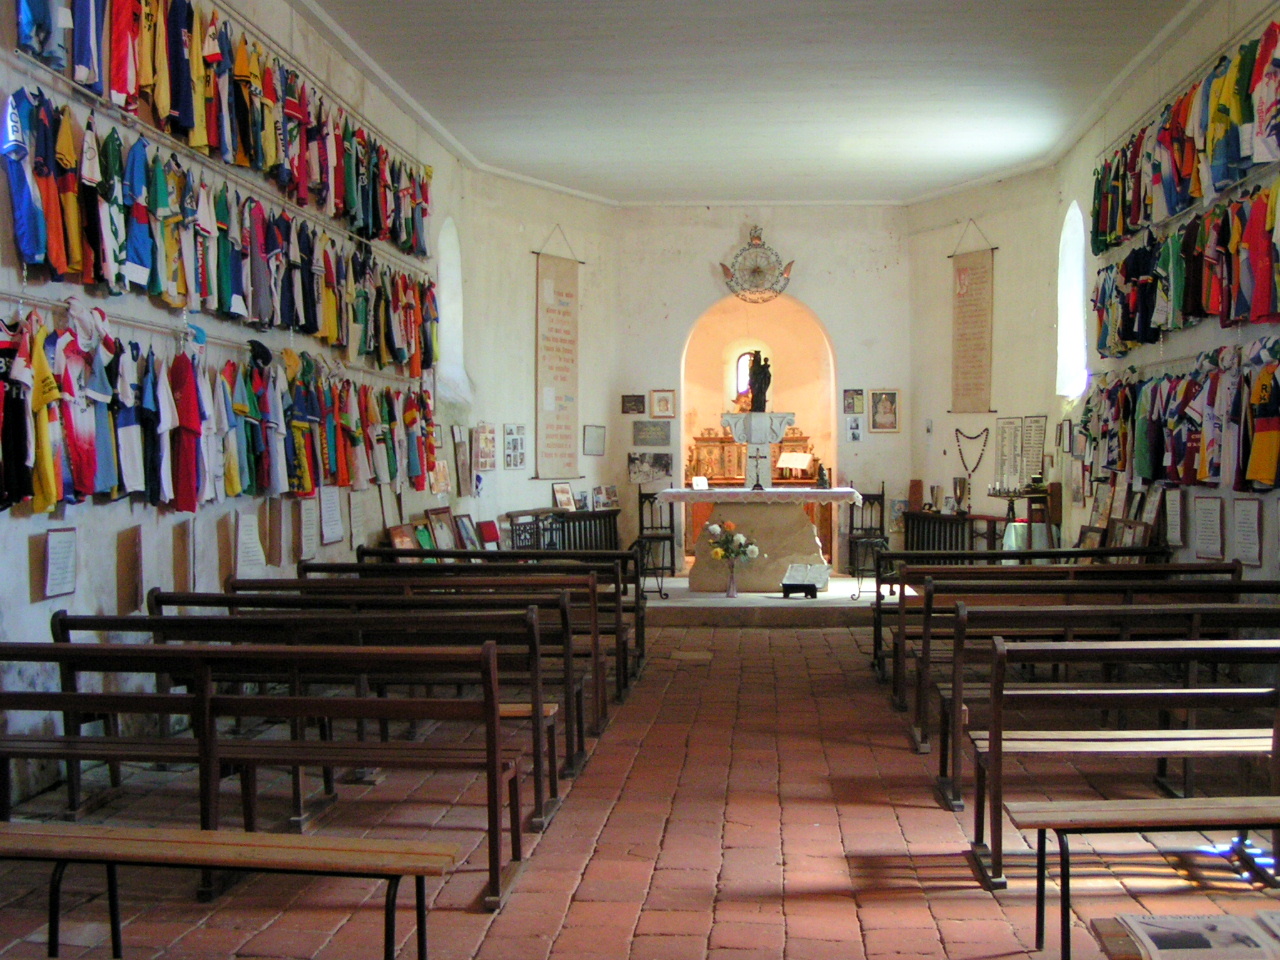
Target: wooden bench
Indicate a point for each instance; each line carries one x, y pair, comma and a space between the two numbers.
1118, 623
1163, 814
195, 667
630, 588
617, 574
553, 609
890, 566
113, 847
582, 585
931, 621
993, 746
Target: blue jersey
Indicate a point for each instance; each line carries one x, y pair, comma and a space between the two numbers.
28, 210
41, 30
86, 43
138, 252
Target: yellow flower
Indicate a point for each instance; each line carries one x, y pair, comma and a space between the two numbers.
730, 526
717, 554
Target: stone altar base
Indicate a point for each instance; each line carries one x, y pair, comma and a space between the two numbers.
781, 530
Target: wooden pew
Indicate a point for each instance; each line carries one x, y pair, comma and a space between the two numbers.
993, 746
388, 860
889, 562
932, 619
196, 665
515, 633
582, 589
632, 565
1117, 623
913, 576
1163, 814
554, 618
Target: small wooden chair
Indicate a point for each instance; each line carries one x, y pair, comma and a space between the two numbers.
866, 533
657, 539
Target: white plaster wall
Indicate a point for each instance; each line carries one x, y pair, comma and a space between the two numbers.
851, 272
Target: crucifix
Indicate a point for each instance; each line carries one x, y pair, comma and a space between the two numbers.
759, 466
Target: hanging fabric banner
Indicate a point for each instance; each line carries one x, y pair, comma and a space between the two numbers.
557, 368
971, 332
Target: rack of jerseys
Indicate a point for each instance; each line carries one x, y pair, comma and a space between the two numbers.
1216, 425
216, 90
86, 414
97, 213
1221, 264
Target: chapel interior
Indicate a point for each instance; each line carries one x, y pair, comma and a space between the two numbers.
694, 325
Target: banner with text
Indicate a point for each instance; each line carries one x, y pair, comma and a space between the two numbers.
971, 332
557, 368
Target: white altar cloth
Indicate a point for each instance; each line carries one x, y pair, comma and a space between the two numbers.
774, 518
768, 495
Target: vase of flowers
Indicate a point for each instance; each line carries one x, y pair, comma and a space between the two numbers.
728, 544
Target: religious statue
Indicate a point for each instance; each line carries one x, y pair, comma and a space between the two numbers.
760, 377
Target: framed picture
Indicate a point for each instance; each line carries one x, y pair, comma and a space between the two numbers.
854, 402
593, 441
633, 403
645, 467
662, 404
582, 500
484, 448
651, 433
441, 523
885, 411
853, 428
427, 542
465, 528
403, 537
513, 446
604, 498
562, 495
1091, 538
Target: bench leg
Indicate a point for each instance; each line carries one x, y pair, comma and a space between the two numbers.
6, 790
389, 920
1064, 868
113, 911
420, 908
1040, 883
55, 905
517, 837
249, 796
552, 770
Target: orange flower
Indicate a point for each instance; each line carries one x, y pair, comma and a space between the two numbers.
729, 525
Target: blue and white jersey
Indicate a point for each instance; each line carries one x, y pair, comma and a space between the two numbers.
28, 210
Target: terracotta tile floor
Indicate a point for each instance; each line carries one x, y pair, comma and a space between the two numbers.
755, 799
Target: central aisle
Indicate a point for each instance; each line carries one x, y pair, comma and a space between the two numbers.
754, 800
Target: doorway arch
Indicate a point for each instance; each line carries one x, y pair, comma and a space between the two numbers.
801, 357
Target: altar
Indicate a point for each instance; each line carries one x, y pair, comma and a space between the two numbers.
774, 518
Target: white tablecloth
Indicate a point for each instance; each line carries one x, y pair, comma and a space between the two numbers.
769, 495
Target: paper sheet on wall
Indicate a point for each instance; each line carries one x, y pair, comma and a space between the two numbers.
1009, 452
355, 510
331, 529
556, 369
60, 562
251, 559
390, 506
1246, 521
308, 528
1208, 528
1173, 517
1033, 430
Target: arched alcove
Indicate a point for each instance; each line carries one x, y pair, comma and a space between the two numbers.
452, 381
800, 355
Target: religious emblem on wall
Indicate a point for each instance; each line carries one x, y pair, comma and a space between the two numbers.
756, 273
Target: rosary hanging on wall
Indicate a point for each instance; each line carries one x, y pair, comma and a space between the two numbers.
965, 485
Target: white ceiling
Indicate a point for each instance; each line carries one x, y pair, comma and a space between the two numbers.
711, 101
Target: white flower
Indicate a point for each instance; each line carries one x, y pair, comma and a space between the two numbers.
713, 529
752, 552
739, 539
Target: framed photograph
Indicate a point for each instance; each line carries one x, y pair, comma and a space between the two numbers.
562, 495
465, 528
422, 533
854, 402
651, 433
633, 403
582, 500
593, 441
484, 448
604, 498
885, 411
513, 446
662, 404
1091, 538
644, 467
441, 523
403, 537
853, 428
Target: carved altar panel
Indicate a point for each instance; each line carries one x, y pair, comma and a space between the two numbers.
717, 456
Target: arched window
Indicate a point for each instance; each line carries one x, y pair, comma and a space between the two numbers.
742, 374
452, 381
1073, 371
